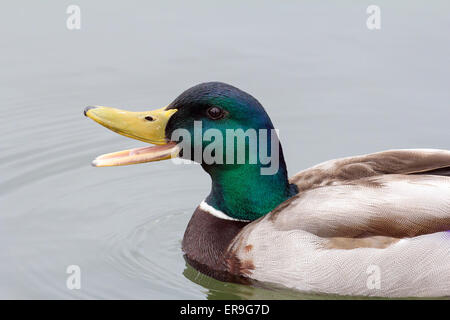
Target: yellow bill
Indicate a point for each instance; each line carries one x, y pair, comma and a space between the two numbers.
147, 126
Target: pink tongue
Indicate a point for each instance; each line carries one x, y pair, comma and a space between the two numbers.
136, 155
141, 150
126, 153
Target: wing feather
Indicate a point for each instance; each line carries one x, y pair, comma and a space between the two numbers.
387, 211
407, 161
388, 205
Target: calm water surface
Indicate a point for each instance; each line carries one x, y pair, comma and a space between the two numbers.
331, 86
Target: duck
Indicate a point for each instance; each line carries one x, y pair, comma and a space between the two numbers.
369, 225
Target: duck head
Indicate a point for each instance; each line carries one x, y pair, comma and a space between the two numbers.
221, 127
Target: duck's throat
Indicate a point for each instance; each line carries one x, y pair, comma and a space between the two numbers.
242, 192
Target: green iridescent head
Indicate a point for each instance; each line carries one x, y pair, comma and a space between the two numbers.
249, 177
219, 126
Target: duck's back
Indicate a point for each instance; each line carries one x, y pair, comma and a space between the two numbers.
371, 225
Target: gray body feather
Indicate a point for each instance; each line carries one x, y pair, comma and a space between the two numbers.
373, 225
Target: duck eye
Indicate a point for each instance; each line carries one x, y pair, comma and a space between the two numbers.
215, 113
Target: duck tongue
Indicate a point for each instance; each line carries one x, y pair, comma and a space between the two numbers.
137, 155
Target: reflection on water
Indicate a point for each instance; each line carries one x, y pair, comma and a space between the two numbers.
332, 88
216, 290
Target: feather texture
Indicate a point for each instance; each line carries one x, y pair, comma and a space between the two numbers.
354, 217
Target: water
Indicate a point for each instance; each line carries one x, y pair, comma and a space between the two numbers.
330, 85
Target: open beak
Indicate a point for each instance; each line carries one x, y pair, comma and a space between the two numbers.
147, 126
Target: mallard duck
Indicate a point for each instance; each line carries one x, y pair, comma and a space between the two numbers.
370, 225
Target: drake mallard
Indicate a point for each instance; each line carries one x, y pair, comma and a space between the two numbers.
370, 225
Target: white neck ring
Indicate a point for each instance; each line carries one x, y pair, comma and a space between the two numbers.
217, 213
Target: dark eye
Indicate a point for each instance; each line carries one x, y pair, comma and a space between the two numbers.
215, 113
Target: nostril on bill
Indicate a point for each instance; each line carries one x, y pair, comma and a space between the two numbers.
149, 118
